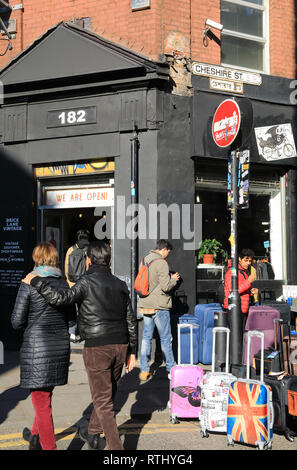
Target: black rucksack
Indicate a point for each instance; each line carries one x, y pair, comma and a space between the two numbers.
77, 263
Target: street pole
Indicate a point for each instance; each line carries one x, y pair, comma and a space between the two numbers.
234, 303
134, 202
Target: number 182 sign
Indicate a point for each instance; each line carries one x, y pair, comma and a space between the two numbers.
72, 117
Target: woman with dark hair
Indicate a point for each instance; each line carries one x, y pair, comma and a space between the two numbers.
45, 350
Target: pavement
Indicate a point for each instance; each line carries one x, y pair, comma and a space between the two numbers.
142, 413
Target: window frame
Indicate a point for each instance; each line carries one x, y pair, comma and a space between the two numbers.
260, 40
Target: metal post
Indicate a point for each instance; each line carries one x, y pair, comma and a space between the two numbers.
134, 202
234, 303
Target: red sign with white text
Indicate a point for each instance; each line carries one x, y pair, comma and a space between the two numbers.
226, 123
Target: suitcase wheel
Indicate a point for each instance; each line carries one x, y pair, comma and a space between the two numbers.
174, 420
230, 441
204, 433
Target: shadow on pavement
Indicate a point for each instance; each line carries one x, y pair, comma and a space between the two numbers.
151, 396
9, 400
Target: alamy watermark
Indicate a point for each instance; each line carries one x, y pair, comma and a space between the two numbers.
131, 221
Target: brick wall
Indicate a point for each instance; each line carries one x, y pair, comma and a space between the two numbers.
282, 32
169, 26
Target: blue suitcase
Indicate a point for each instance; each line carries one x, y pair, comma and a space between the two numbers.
189, 339
205, 315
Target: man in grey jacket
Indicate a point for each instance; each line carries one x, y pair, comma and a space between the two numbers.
155, 307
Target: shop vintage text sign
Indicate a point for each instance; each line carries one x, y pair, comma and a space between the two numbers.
79, 197
225, 73
226, 123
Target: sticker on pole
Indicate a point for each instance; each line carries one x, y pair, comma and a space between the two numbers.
226, 123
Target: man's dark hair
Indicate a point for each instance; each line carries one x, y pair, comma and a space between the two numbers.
246, 252
82, 234
163, 244
99, 252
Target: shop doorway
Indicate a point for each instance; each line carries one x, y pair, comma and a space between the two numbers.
60, 227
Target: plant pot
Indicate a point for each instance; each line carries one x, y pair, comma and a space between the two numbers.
208, 259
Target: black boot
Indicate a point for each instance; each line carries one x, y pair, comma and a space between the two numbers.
33, 439
91, 439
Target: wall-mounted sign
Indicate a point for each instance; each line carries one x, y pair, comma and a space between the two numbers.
226, 85
243, 180
275, 142
216, 71
72, 117
92, 196
226, 123
75, 169
140, 4
12, 249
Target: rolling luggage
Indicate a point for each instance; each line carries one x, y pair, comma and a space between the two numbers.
185, 387
250, 409
215, 391
283, 308
283, 388
189, 339
205, 315
260, 318
272, 356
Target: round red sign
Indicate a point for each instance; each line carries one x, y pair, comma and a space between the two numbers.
226, 123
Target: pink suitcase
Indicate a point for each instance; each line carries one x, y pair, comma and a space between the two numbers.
185, 391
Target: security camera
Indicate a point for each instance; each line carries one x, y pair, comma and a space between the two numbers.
213, 24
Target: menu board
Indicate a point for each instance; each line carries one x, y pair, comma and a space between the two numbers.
12, 249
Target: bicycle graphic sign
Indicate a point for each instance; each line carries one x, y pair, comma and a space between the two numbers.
275, 142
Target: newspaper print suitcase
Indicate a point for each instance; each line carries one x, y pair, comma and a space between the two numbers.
215, 391
250, 409
185, 386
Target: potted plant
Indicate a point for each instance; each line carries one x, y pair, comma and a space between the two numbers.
209, 249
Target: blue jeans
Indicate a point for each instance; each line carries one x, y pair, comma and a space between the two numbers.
160, 319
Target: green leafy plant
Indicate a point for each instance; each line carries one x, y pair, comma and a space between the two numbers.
213, 247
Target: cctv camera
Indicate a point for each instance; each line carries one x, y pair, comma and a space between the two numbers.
214, 24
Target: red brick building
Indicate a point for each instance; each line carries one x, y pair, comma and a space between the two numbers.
166, 26
84, 76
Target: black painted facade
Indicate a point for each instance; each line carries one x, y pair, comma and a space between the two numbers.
70, 68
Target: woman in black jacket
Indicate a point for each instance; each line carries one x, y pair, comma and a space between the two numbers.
45, 351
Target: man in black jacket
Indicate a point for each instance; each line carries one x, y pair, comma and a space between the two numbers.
108, 324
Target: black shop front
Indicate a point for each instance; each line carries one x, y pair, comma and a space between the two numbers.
268, 224
72, 105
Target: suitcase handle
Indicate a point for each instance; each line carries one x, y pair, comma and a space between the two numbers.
287, 342
186, 325
258, 334
215, 330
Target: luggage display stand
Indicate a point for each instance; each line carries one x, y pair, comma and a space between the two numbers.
283, 387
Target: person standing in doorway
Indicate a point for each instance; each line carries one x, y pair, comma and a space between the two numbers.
75, 266
155, 307
108, 325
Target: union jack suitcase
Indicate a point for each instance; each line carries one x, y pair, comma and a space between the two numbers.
250, 409
215, 391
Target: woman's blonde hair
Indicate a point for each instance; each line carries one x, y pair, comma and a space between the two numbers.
45, 254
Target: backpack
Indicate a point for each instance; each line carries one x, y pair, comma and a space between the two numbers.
77, 263
141, 284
